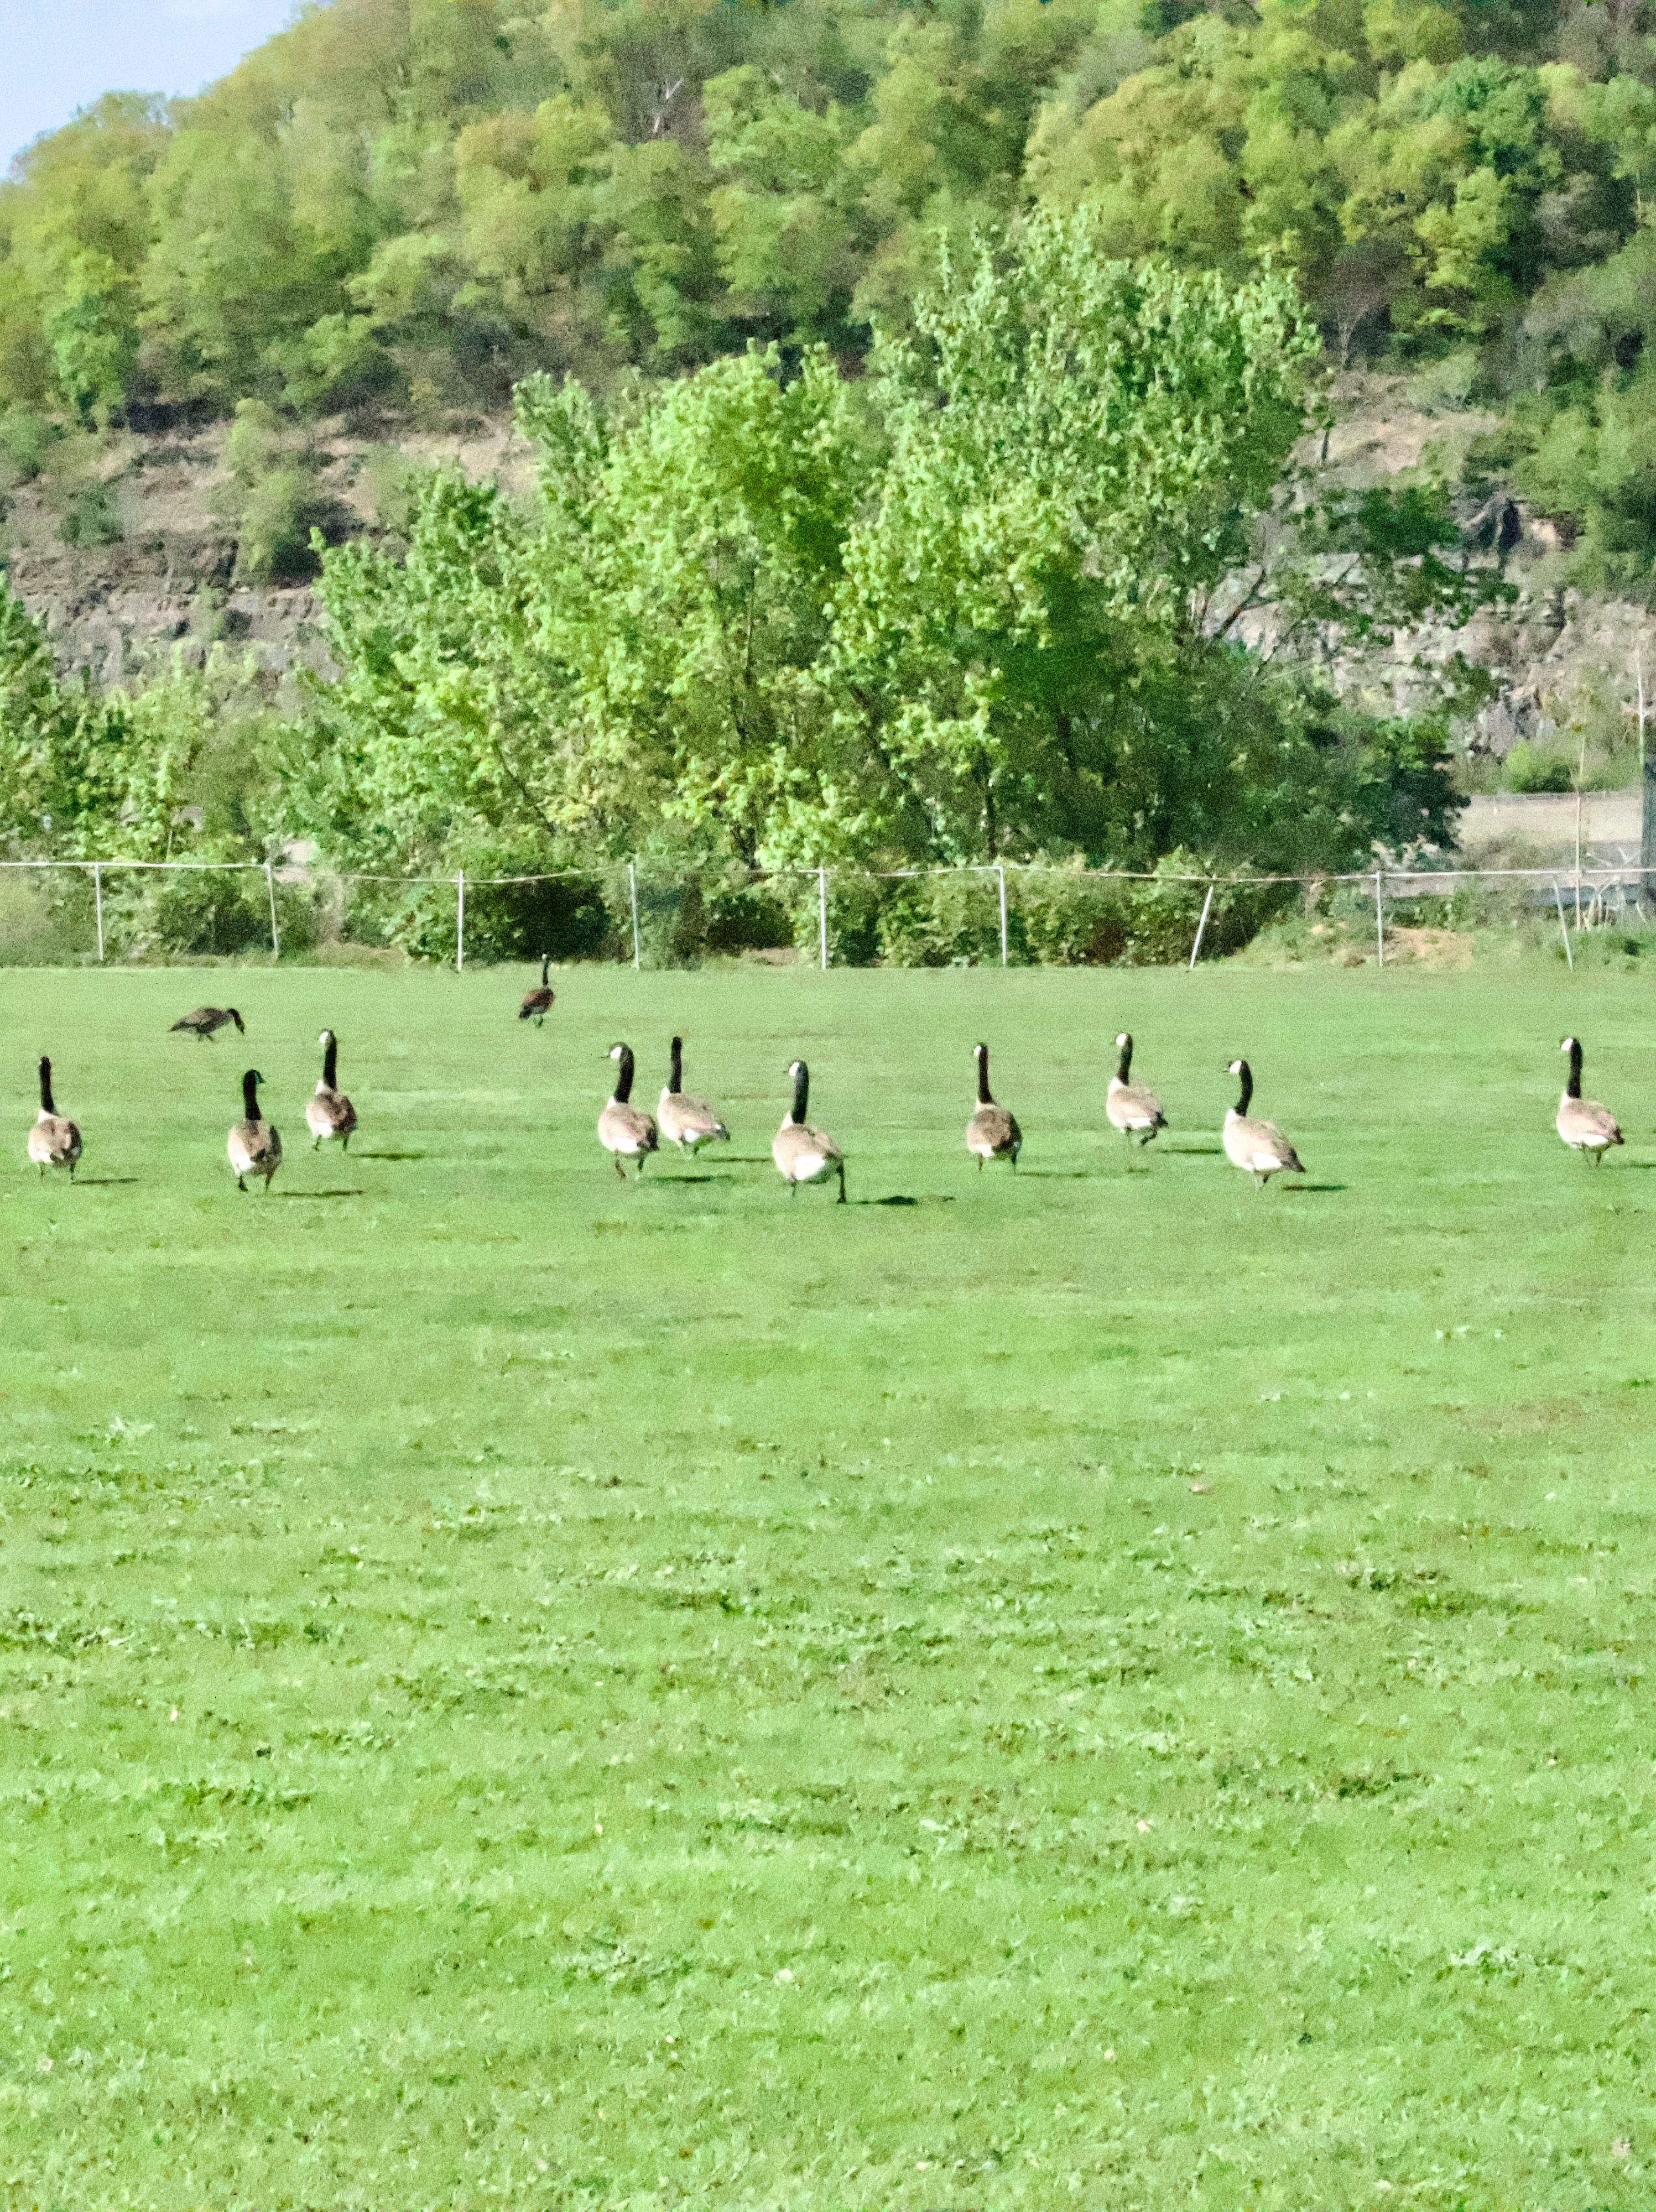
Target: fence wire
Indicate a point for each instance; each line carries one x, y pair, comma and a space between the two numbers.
635, 910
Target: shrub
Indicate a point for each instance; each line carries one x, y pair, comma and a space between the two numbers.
92, 517
1528, 768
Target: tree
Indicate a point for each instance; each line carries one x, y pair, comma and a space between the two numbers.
957, 610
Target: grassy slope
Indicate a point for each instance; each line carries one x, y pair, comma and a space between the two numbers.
521, 1692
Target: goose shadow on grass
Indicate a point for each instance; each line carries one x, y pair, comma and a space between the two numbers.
901, 1197
318, 1194
1311, 1189
391, 1156
102, 1183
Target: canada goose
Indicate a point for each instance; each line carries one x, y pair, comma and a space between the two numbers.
52, 1142
1583, 1123
252, 1144
803, 1154
689, 1122
202, 1021
1258, 1146
538, 1004
1132, 1107
624, 1132
992, 1133
329, 1113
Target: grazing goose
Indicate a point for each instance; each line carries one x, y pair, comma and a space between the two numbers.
624, 1131
202, 1021
1583, 1123
52, 1142
687, 1121
255, 1148
1258, 1146
1132, 1107
329, 1113
803, 1154
992, 1133
538, 1004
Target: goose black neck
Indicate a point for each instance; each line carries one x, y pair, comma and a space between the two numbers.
802, 1090
1125, 1063
623, 1075
250, 1095
46, 1106
545, 967
1244, 1077
983, 1098
1572, 1089
331, 1060
676, 1074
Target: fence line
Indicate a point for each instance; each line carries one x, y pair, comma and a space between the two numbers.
1404, 881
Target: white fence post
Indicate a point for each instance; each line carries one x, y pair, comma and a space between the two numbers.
1379, 917
1201, 926
632, 893
97, 894
275, 941
1000, 871
1563, 926
460, 923
822, 915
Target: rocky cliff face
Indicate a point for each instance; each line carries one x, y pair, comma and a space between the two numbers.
169, 575
1566, 665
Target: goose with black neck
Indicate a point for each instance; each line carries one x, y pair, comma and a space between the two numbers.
625, 1132
802, 1153
328, 1112
254, 1144
53, 1141
1258, 1146
682, 1118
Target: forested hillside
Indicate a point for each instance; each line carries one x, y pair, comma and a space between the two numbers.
920, 437
410, 204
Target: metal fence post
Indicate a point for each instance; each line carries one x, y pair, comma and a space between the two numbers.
1001, 871
632, 893
1201, 926
1379, 917
459, 922
97, 895
1563, 926
269, 892
822, 915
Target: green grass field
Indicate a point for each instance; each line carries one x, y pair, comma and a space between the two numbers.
1103, 1688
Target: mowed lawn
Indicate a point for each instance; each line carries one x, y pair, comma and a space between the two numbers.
1103, 1687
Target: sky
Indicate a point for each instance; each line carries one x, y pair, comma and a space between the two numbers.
58, 55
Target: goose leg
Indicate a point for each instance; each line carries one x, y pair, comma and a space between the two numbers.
619, 1170
840, 1201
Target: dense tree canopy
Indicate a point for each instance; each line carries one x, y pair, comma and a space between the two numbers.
960, 610
427, 200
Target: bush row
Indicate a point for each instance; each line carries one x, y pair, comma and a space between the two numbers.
1057, 917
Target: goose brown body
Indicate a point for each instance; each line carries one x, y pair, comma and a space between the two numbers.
682, 1118
54, 1141
204, 1021
328, 1112
538, 1003
803, 1153
1258, 1146
625, 1132
254, 1144
992, 1133
1132, 1107
1583, 1124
